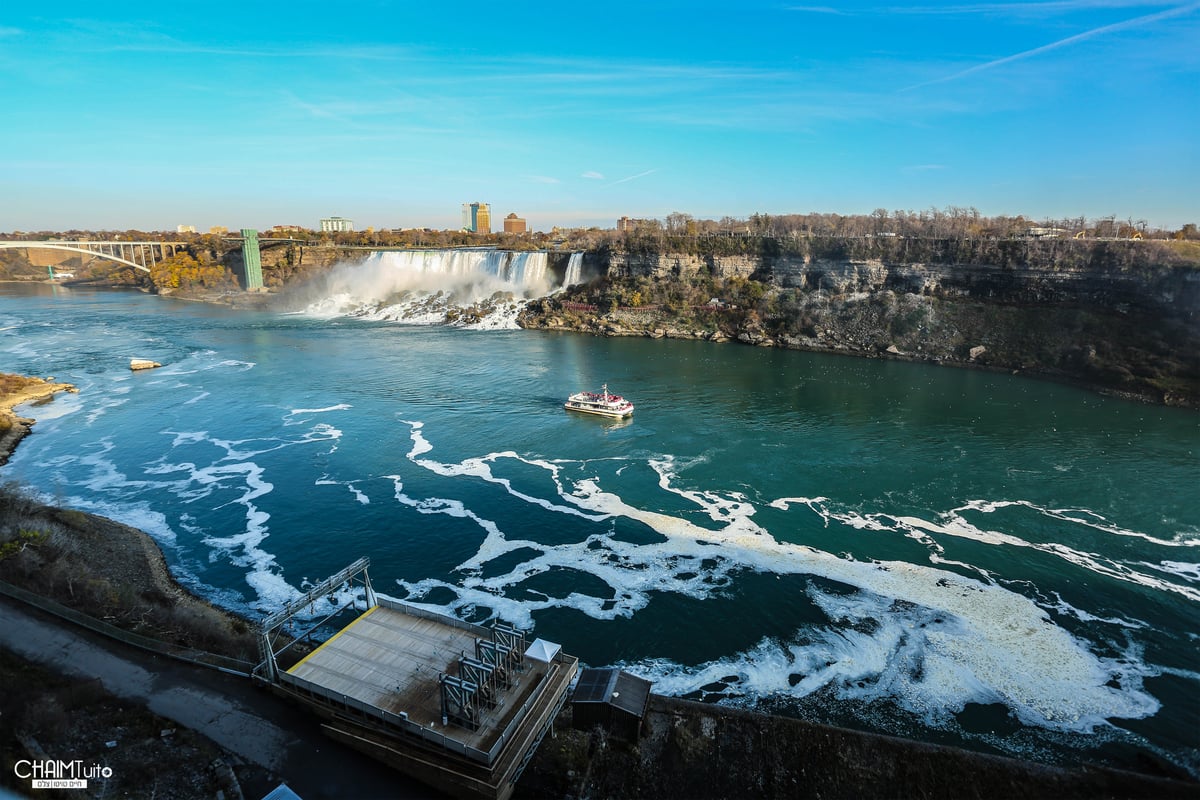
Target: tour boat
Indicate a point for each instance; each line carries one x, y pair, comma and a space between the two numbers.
602, 403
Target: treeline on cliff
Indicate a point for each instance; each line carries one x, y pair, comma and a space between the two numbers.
953, 222
1017, 253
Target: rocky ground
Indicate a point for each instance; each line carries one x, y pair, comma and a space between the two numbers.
690, 751
45, 715
17, 390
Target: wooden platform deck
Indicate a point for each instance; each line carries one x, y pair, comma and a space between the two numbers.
391, 660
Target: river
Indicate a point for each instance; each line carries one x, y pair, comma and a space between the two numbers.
951, 555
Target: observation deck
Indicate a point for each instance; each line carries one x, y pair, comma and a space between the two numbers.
459, 706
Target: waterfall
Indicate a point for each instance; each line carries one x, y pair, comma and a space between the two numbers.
451, 269
480, 288
574, 270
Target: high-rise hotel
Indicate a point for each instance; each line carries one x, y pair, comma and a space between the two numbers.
476, 218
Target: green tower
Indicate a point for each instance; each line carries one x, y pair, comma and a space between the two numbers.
251, 260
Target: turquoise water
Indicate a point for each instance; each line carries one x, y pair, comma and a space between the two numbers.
953, 555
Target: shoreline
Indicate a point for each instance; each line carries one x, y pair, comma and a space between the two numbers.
14, 428
611, 326
1059, 378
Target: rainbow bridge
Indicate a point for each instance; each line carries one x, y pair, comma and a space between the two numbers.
139, 255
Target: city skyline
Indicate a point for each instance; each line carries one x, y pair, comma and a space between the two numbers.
151, 116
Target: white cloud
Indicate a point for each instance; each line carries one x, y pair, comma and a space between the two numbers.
592, 175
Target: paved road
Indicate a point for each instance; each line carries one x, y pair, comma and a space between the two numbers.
239, 716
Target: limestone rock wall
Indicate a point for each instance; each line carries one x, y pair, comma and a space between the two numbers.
1170, 290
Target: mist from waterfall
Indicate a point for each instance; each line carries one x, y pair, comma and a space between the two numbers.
477, 288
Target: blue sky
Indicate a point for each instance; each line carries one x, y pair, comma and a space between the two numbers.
147, 115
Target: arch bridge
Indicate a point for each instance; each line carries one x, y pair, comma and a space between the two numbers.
139, 255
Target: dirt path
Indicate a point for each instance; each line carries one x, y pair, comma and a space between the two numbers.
250, 722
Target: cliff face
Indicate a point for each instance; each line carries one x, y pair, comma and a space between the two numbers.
1095, 318
1170, 290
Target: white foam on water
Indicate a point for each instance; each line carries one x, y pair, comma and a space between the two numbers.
196, 399
106, 404
1063, 607
912, 656
480, 468
200, 361
1080, 516
245, 449
952, 523
244, 549
494, 543
236, 470
1188, 571
1189, 674
223, 468
939, 641
63, 404
290, 418
359, 495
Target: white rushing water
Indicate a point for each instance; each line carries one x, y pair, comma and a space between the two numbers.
931, 639
574, 270
475, 288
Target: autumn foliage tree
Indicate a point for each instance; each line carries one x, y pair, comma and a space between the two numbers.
182, 272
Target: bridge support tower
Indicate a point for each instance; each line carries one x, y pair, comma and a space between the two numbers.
251, 260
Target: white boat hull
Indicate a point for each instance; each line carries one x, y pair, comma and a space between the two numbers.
600, 412
602, 404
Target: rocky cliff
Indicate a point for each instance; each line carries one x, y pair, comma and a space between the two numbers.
1103, 317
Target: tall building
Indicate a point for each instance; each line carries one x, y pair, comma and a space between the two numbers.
336, 225
514, 224
476, 218
625, 224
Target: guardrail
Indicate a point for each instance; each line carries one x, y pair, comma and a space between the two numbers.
444, 619
191, 655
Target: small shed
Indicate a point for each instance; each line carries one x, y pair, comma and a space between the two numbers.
612, 699
542, 650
